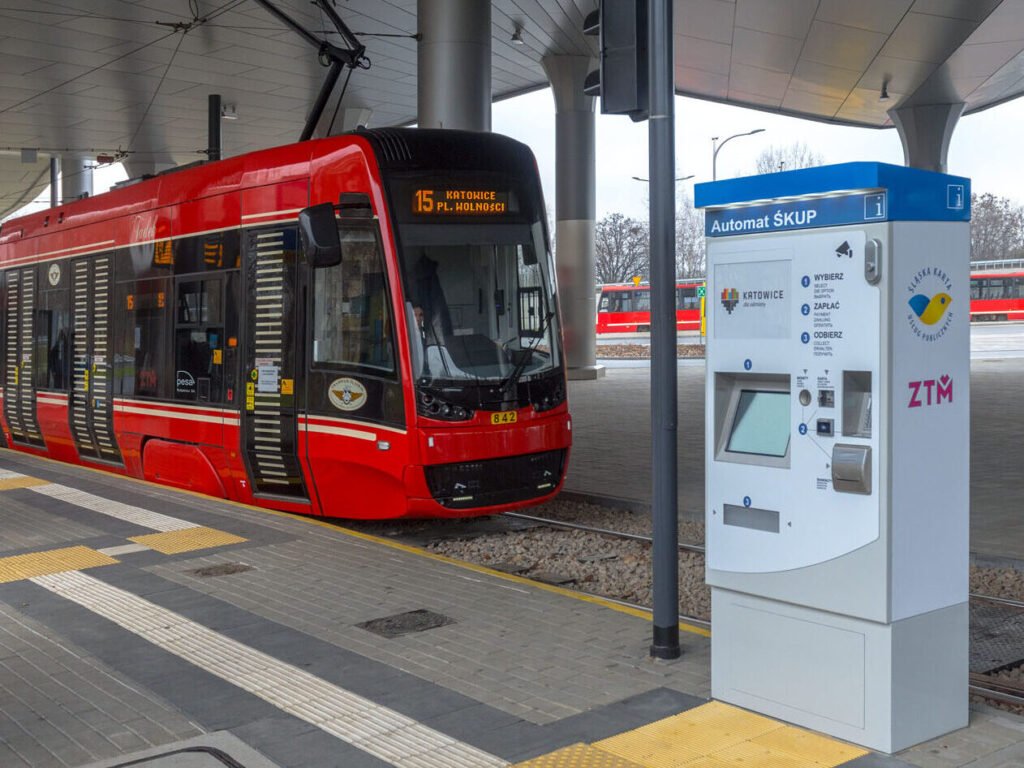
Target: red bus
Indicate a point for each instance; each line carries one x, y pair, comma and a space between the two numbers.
626, 308
364, 326
997, 290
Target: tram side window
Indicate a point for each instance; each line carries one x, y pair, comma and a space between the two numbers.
351, 320
199, 339
642, 301
686, 298
143, 354
605, 301
52, 354
621, 301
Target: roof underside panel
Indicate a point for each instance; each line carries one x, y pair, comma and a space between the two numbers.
112, 74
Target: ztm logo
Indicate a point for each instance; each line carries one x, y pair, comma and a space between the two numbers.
930, 392
730, 298
930, 310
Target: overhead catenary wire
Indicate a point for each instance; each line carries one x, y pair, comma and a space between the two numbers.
231, 4
156, 91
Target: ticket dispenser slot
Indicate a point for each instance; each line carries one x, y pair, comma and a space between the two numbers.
851, 468
857, 404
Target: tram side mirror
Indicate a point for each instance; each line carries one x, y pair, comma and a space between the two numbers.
318, 231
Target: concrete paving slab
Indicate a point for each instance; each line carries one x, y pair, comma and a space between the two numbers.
523, 672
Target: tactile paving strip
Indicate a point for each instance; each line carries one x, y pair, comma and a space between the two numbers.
21, 481
578, 756
717, 735
19, 567
187, 540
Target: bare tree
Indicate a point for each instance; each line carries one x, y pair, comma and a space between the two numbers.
622, 250
997, 228
689, 238
788, 158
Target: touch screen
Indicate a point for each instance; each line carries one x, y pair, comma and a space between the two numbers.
761, 425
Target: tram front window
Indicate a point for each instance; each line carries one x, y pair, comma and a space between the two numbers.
479, 303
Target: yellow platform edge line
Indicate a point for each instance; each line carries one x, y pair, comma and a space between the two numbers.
582, 596
32, 564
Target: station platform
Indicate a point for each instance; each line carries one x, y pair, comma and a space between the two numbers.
148, 627
604, 465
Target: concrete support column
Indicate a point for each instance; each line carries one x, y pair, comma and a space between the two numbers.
76, 176
575, 210
925, 131
454, 64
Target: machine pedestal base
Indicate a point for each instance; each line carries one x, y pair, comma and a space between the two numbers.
884, 686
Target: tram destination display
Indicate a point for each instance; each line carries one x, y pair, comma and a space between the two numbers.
460, 202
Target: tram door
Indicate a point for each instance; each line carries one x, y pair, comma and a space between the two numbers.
19, 394
273, 349
91, 406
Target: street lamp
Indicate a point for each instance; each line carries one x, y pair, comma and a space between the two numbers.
716, 148
678, 178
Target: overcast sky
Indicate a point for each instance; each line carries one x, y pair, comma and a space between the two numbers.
985, 147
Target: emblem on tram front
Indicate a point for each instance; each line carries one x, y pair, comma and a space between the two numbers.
347, 394
53, 275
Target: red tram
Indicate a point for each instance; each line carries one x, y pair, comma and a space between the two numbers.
997, 293
997, 290
626, 308
364, 326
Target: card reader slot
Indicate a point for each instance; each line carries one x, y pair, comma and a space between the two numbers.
751, 517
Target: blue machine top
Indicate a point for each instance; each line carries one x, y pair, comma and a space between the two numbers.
831, 195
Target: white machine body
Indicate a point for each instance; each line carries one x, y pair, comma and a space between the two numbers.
837, 450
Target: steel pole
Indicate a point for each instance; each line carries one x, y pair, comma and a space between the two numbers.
213, 141
661, 127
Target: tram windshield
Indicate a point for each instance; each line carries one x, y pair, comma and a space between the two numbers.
480, 302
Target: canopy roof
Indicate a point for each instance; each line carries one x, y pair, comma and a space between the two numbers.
110, 74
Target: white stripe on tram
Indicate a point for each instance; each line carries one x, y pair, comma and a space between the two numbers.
366, 725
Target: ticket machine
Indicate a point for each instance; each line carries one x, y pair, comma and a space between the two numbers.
837, 443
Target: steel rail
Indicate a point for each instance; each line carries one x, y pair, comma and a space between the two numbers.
603, 531
994, 599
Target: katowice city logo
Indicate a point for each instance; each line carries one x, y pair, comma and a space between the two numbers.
730, 298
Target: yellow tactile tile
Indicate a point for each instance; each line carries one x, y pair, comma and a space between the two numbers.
710, 762
821, 750
750, 755
187, 540
690, 735
10, 483
650, 747
578, 756
718, 735
18, 567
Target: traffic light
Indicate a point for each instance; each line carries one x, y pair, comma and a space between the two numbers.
621, 80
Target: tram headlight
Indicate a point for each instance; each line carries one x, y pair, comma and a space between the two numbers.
432, 406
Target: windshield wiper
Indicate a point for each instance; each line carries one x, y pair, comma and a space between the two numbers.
527, 354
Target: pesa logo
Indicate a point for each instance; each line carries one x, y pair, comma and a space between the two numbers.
347, 394
930, 392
